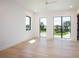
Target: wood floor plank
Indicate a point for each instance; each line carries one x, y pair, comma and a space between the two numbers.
43, 48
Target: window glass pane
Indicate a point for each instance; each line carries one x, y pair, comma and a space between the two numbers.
43, 25
66, 26
57, 27
28, 23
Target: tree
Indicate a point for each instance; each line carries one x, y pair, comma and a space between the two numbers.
67, 26
42, 27
57, 28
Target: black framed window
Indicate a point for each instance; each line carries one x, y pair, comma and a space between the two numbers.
28, 23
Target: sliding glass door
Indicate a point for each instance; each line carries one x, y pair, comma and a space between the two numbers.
62, 27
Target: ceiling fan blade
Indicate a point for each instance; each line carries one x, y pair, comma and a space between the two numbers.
50, 2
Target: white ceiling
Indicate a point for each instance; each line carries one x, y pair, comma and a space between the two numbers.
55, 5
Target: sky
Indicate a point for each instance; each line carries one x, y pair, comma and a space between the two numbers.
43, 20
27, 21
57, 20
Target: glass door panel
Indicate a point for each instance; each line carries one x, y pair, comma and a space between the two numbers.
66, 27
43, 25
57, 27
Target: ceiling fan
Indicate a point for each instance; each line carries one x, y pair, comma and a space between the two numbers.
50, 2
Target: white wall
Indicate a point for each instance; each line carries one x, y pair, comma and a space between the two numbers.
12, 24
78, 11
50, 15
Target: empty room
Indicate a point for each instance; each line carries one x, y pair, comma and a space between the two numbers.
39, 28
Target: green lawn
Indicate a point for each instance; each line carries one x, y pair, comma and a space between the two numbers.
55, 33
64, 33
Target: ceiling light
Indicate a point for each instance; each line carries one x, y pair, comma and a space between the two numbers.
70, 6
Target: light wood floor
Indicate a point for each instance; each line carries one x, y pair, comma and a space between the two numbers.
43, 48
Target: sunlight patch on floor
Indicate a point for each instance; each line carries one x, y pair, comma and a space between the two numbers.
32, 41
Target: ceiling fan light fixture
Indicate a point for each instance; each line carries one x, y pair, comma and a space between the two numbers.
70, 6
